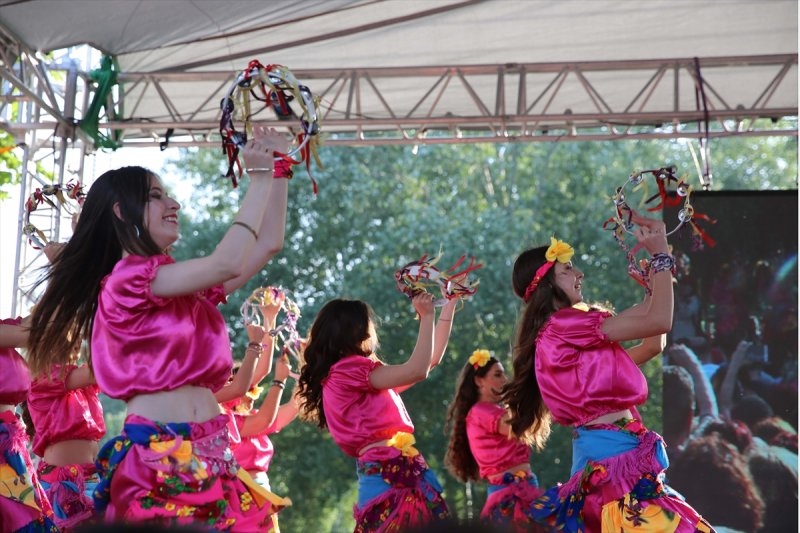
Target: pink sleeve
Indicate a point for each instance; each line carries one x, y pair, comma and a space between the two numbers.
485, 417
353, 374
16, 379
582, 329
581, 374
137, 275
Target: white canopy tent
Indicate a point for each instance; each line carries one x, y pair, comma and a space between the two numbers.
404, 71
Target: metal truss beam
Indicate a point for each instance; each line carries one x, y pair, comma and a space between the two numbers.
610, 100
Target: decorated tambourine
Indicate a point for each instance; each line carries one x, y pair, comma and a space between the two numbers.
670, 192
423, 276
286, 327
68, 198
273, 87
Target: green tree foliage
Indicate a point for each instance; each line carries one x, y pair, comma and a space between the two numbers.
380, 207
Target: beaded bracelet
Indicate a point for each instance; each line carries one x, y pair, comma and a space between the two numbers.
661, 261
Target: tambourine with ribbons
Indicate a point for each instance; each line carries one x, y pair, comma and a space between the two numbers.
68, 197
671, 191
286, 328
276, 88
423, 276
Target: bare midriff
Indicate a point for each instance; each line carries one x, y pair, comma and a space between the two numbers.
71, 452
610, 418
185, 404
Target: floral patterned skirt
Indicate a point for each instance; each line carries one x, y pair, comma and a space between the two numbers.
509, 503
23, 504
396, 494
622, 491
69, 489
180, 473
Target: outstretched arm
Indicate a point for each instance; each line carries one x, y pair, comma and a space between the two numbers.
657, 319
241, 246
416, 368
682, 355
264, 418
264, 367
441, 333
240, 383
731, 375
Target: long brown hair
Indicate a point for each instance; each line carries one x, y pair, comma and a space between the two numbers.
341, 328
64, 315
529, 417
459, 458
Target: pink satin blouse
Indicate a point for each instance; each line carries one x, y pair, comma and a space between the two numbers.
358, 414
142, 343
494, 452
256, 451
60, 414
582, 374
16, 380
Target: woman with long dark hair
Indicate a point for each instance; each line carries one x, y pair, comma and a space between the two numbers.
158, 341
346, 389
569, 365
481, 445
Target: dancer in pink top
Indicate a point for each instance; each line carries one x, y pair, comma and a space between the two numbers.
68, 422
482, 447
159, 343
569, 365
23, 504
345, 388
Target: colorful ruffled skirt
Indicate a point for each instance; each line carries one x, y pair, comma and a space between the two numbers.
181, 474
23, 504
617, 486
509, 502
69, 489
397, 493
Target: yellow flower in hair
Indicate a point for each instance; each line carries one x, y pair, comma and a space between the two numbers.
479, 358
559, 251
404, 442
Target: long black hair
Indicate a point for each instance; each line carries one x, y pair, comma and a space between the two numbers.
459, 458
64, 315
529, 417
341, 328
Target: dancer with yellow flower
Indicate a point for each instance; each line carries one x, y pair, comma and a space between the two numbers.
345, 388
569, 365
482, 447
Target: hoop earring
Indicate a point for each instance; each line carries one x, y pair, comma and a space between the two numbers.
136, 229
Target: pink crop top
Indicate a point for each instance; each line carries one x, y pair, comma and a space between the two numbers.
358, 414
16, 381
59, 414
142, 343
494, 452
254, 452
582, 374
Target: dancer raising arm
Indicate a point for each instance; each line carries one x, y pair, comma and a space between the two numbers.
159, 342
345, 388
481, 446
569, 364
